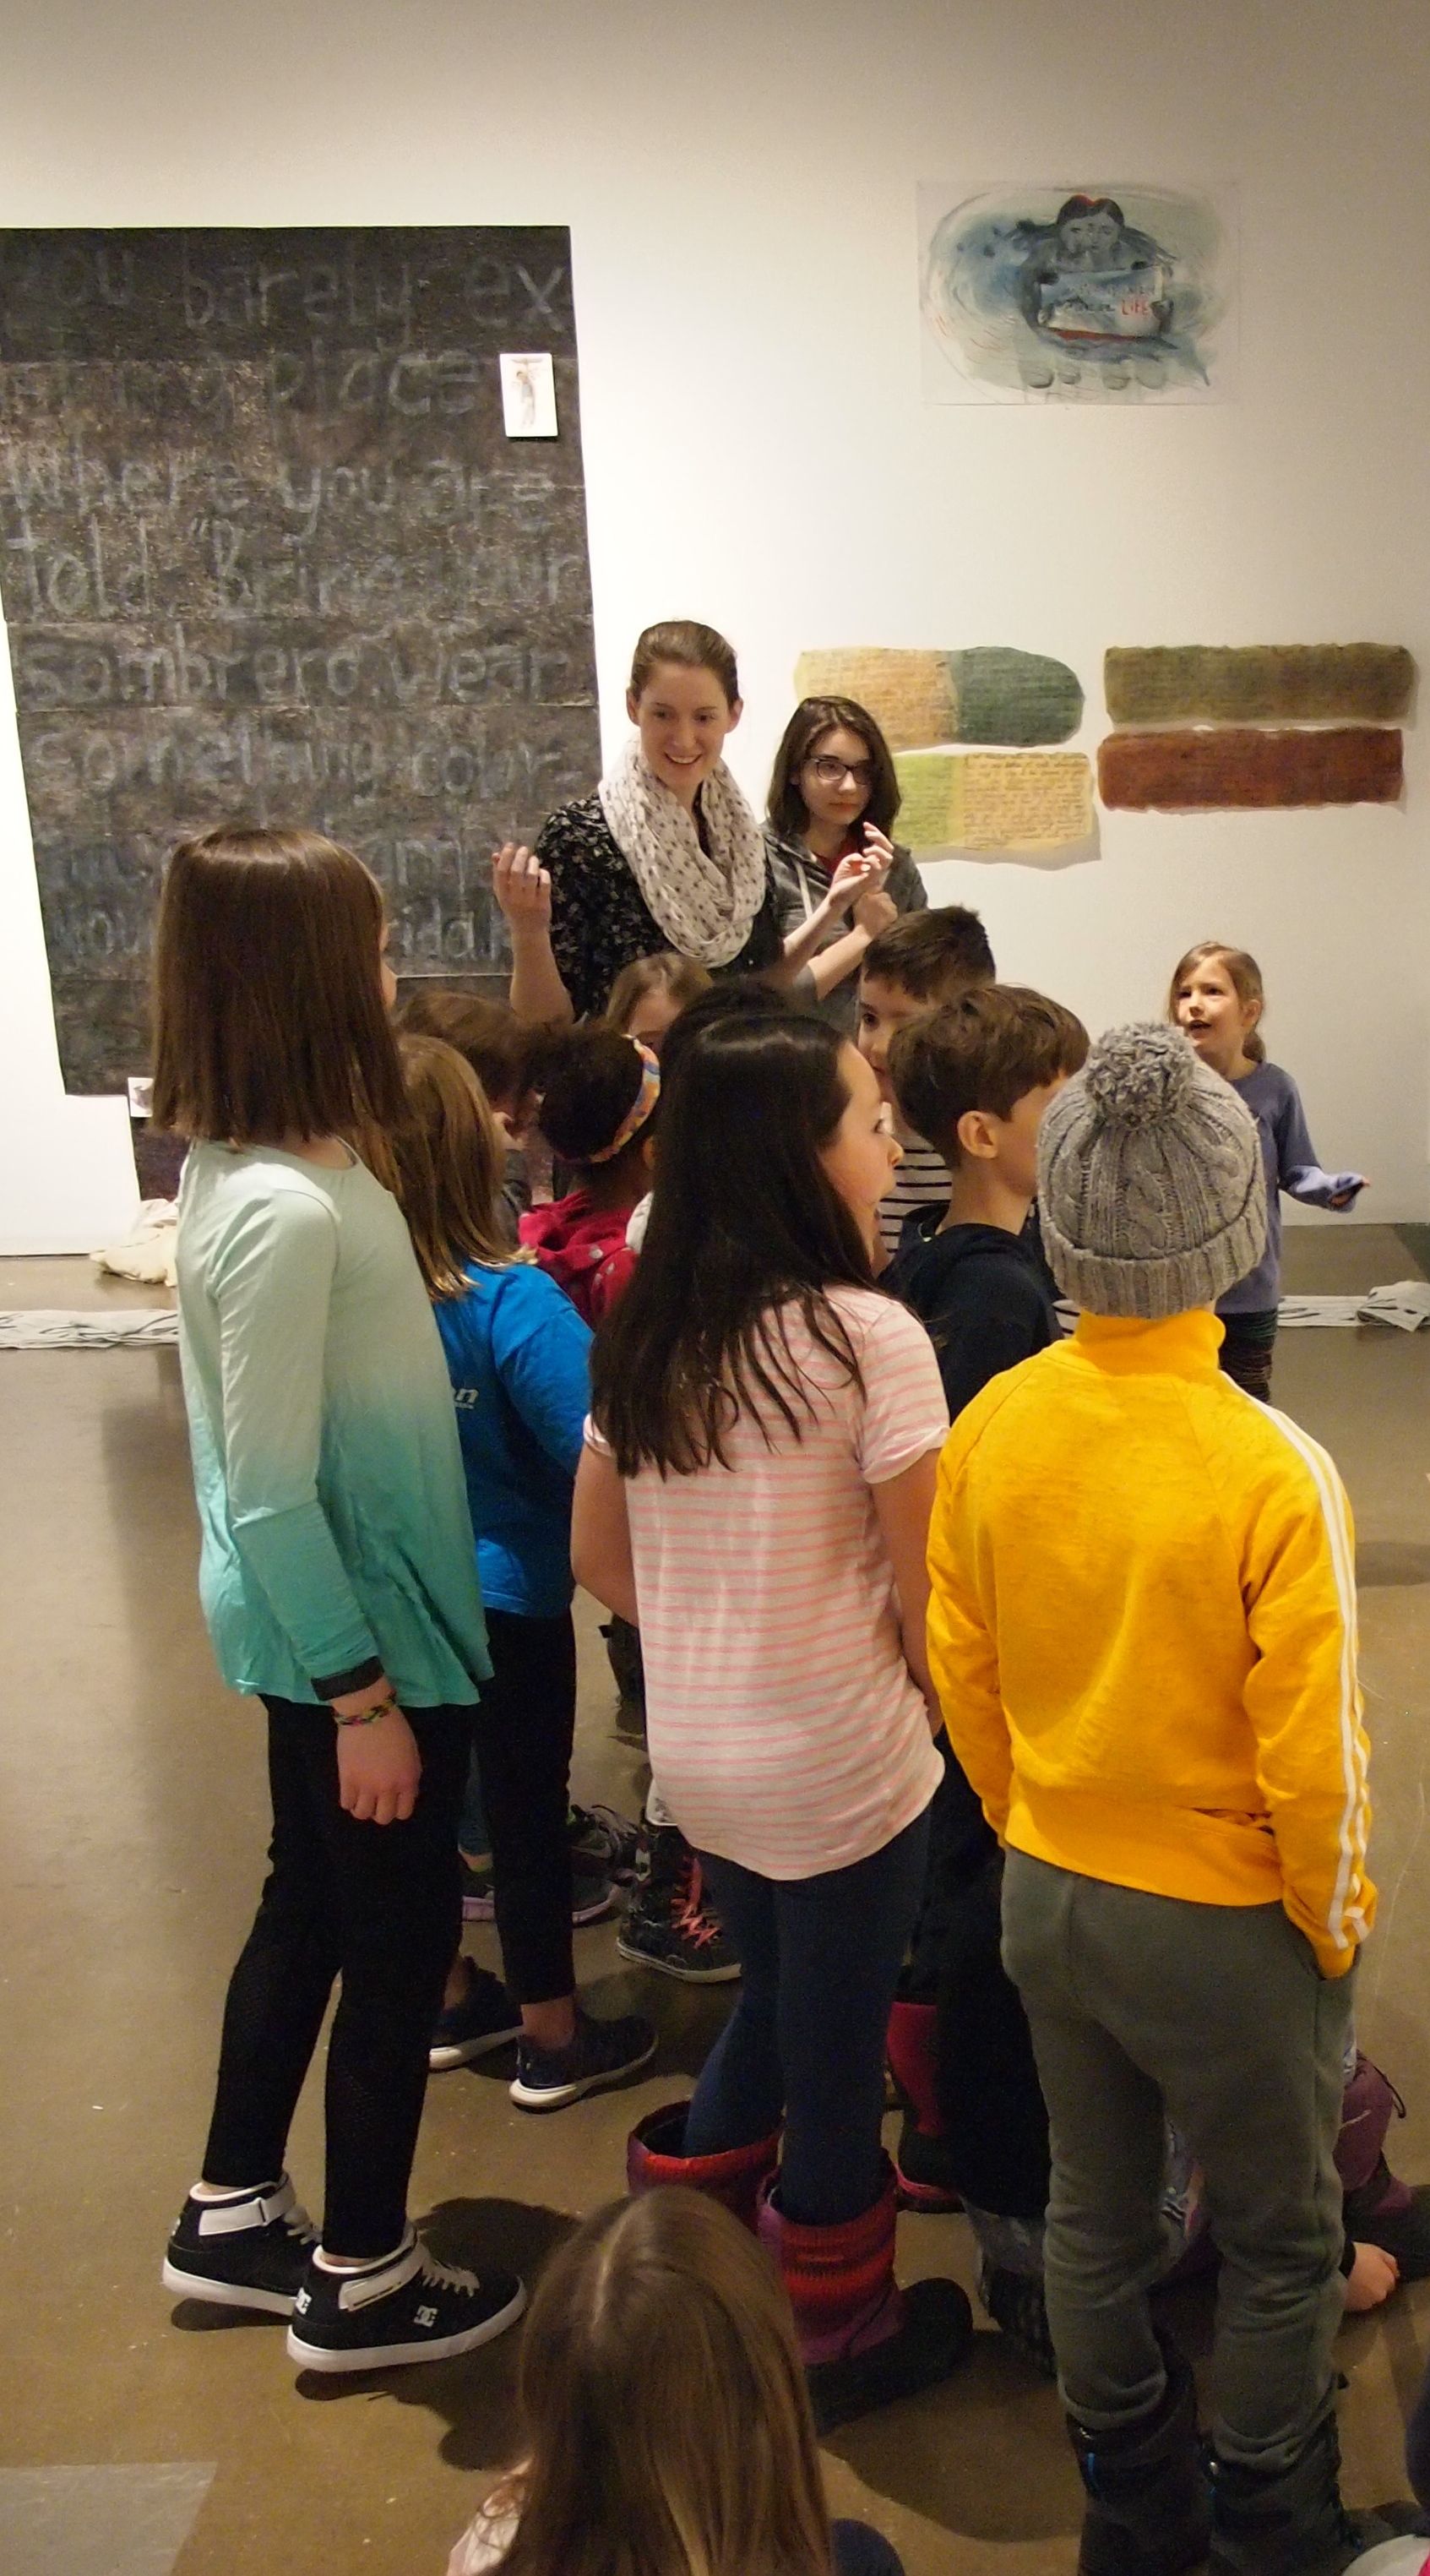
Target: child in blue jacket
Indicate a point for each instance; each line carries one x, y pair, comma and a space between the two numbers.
516, 1354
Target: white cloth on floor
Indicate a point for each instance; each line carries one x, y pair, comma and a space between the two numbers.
1405, 1304
58, 1328
148, 1253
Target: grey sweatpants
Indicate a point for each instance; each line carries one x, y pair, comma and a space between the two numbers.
1145, 2009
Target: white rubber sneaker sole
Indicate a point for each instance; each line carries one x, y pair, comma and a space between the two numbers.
684, 1976
465, 2052
554, 2097
395, 2356
225, 2294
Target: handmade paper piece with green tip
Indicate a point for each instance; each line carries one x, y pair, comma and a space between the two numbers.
990, 693
985, 802
1258, 683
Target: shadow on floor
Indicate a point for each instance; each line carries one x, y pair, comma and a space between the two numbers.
984, 2455
476, 2391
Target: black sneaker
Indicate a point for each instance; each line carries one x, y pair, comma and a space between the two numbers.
486, 2018
407, 2309
670, 1924
601, 2053
478, 1899
249, 2251
611, 1842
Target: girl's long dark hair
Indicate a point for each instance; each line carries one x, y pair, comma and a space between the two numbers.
744, 1224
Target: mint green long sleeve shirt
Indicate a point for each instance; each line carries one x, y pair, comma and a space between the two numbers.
335, 1527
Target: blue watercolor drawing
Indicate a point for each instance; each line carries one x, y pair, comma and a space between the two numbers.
1049, 294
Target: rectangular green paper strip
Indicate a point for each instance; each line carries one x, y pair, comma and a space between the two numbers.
990, 800
992, 693
1258, 683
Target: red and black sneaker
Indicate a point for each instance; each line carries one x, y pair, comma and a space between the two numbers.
670, 1923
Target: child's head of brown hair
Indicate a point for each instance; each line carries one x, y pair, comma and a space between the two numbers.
598, 1108
269, 1013
449, 1154
665, 2415
932, 955
984, 1050
504, 1054
1242, 973
651, 992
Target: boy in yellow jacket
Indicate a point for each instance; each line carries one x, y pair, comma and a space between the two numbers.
1142, 1630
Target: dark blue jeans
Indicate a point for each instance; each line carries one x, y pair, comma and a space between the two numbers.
820, 1959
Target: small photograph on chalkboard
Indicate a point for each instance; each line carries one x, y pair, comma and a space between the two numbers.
528, 393
140, 1088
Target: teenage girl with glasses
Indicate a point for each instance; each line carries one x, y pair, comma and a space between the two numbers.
834, 795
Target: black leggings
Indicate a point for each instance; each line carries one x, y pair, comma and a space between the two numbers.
378, 1905
1248, 1346
525, 1727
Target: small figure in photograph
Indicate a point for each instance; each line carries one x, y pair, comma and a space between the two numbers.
1218, 997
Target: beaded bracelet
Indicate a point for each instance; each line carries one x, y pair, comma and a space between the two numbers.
367, 1716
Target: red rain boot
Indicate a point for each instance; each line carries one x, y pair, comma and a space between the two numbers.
655, 2155
1379, 2209
920, 2159
865, 2341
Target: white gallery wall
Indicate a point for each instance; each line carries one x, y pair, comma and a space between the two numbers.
739, 182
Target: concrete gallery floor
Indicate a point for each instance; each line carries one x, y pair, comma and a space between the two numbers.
137, 2436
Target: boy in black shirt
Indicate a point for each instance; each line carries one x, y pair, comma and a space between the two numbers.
974, 1077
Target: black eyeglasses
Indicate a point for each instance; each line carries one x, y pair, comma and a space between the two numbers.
831, 772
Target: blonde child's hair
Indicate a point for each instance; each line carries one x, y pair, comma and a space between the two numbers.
681, 977
664, 2407
449, 1159
1244, 976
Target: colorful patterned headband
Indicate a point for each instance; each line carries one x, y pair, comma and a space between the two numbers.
639, 1110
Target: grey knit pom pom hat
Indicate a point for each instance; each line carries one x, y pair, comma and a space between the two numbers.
1151, 1192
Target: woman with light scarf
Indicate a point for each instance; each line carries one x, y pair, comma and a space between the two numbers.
666, 856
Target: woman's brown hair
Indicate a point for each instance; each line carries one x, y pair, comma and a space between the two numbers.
664, 2408
1244, 977
681, 977
693, 646
786, 809
449, 1158
269, 1018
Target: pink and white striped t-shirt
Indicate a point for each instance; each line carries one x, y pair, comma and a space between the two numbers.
785, 1729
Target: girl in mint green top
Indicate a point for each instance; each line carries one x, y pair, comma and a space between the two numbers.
337, 1544
339, 1581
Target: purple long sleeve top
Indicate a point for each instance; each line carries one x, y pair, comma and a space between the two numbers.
1291, 1165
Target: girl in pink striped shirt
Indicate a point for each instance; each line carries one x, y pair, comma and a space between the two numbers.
755, 1494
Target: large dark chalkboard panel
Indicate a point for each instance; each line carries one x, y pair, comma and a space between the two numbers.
266, 552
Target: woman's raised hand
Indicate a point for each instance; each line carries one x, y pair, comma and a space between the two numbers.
522, 887
853, 876
879, 847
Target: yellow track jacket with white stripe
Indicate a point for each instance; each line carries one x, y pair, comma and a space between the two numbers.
1142, 1629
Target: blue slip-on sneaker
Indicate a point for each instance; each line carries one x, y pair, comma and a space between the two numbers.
601, 2053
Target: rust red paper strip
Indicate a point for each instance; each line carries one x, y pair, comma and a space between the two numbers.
1243, 766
